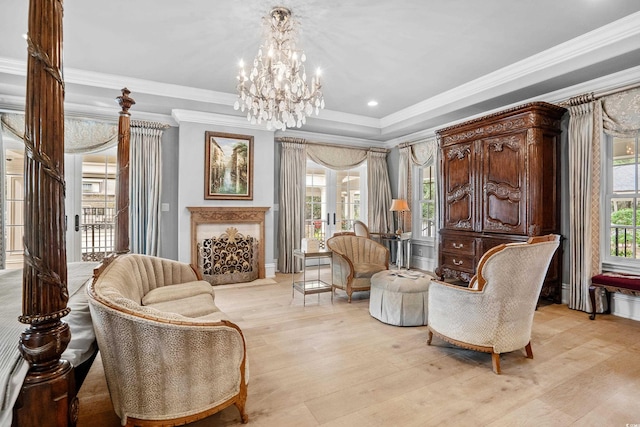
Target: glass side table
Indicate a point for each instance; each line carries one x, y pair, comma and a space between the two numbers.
310, 285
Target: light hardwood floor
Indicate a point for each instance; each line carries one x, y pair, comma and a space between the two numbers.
334, 365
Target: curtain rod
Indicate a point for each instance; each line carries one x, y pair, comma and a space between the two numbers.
592, 96
147, 124
417, 141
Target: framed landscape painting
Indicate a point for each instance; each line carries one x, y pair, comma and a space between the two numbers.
228, 166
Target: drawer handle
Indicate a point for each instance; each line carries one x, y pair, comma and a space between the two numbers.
458, 262
458, 245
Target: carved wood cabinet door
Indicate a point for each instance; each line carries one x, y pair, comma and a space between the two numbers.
503, 184
458, 164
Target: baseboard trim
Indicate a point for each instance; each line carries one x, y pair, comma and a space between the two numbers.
270, 270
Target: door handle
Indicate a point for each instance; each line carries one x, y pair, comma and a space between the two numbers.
77, 223
334, 218
328, 219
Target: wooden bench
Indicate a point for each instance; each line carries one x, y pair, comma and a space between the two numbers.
628, 284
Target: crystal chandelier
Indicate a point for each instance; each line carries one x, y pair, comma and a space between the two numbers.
276, 90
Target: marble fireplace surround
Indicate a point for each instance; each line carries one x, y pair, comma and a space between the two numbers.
232, 217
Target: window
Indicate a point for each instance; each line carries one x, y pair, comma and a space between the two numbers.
622, 197
424, 219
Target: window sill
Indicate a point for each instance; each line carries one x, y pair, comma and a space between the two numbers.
622, 266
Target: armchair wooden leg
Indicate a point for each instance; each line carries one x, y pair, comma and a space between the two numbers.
495, 359
429, 337
529, 351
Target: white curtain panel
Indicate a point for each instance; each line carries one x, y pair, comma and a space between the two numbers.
584, 189
618, 115
379, 191
405, 185
293, 169
421, 153
2, 208
145, 185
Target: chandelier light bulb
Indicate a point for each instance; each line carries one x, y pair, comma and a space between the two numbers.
275, 92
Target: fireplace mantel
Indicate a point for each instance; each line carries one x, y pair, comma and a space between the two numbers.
229, 215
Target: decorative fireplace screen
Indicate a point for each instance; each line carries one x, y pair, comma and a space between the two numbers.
230, 258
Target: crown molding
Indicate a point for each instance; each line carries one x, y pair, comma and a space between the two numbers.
215, 119
348, 118
599, 86
16, 104
532, 67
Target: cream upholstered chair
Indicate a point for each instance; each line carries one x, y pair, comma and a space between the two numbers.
354, 260
169, 355
361, 229
495, 313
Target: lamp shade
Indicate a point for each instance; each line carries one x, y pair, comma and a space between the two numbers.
399, 205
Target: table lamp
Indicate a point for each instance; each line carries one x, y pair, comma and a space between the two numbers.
399, 205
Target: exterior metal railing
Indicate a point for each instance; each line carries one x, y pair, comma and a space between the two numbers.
97, 233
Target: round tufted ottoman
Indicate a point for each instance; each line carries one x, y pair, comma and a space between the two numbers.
399, 297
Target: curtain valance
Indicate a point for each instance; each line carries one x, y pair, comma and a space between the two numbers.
421, 153
621, 113
80, 135
334, 157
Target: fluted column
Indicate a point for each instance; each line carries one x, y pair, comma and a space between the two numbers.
48, 395
122, 178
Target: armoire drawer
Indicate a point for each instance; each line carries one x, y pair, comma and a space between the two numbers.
458, 262
459, 245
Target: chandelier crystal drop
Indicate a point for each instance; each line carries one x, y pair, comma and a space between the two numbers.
275, 91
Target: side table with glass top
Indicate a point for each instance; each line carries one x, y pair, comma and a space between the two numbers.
311, 285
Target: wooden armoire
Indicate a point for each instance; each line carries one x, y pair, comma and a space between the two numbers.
500, 183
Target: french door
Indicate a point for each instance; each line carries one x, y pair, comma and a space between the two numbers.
334, 199
90, 205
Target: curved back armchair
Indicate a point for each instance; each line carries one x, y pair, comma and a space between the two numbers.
361, 229
495, 313
354, 260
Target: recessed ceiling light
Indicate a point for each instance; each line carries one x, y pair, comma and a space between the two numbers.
372, 103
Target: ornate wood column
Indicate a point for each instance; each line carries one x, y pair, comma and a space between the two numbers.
48, 394
122, 177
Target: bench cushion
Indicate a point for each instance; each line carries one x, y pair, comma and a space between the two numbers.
178, 291
193, 306
621, 280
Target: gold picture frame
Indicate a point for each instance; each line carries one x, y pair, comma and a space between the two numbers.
228, 166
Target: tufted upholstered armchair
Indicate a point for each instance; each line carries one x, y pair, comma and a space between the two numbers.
169, 356
495, 313
354, 260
